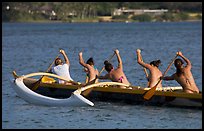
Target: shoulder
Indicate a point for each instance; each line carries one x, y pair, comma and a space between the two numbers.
55, 67
89, 66
65, 66
187, 67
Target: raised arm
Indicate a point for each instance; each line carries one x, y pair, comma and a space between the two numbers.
81, 60
140, 61
120, 63
185, 59
65, 57
103, 77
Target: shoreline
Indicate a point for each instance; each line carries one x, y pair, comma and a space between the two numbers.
125, 21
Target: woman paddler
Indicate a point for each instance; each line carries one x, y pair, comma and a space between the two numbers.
117, 74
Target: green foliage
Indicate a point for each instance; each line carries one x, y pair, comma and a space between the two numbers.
19, 10
167, 16
104, 8
182, 16
142, 18
120, 17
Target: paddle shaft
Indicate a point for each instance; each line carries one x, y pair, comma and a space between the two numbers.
104, 66
49, 68
150, 93
169, 65
168, 68
145, 70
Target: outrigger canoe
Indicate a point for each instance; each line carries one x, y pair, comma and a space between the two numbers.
102, 91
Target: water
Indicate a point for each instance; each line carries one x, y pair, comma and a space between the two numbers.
32, 47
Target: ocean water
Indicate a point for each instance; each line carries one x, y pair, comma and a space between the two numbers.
32, 47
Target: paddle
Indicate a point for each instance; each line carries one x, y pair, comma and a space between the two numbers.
145, 70
147, 95
110, 58
47, 79
49, 68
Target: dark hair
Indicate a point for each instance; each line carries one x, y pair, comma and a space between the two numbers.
178, 63
155, 63
58, 61
90, 61
108, 66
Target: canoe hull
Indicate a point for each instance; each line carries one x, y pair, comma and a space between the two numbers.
135, 99
99, 95
115, 94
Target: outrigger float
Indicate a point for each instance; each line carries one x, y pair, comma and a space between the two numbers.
50, 93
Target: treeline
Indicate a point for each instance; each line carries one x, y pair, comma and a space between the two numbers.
25, 11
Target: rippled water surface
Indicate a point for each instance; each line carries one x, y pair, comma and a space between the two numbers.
31, 47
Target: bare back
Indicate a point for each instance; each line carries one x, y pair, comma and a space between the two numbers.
154, 77
155, 73
186, 80
118, 75
92, 73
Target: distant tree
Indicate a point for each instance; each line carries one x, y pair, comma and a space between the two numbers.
120, 17
183, 16
142, 18
105, 8
167, 16
89, 9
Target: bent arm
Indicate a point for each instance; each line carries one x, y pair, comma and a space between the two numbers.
139, 60
81, 60
185, 59
104, 77
167, 78
65, 57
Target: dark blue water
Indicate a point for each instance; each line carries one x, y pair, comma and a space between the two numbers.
32, 47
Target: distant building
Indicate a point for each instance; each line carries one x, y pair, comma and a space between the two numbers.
138, 11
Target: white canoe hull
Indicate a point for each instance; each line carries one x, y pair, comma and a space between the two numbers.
32, 97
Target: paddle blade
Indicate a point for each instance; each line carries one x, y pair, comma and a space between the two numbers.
87, 92
47, 79
150, 93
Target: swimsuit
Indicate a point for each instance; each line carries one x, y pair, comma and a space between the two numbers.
121, 79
